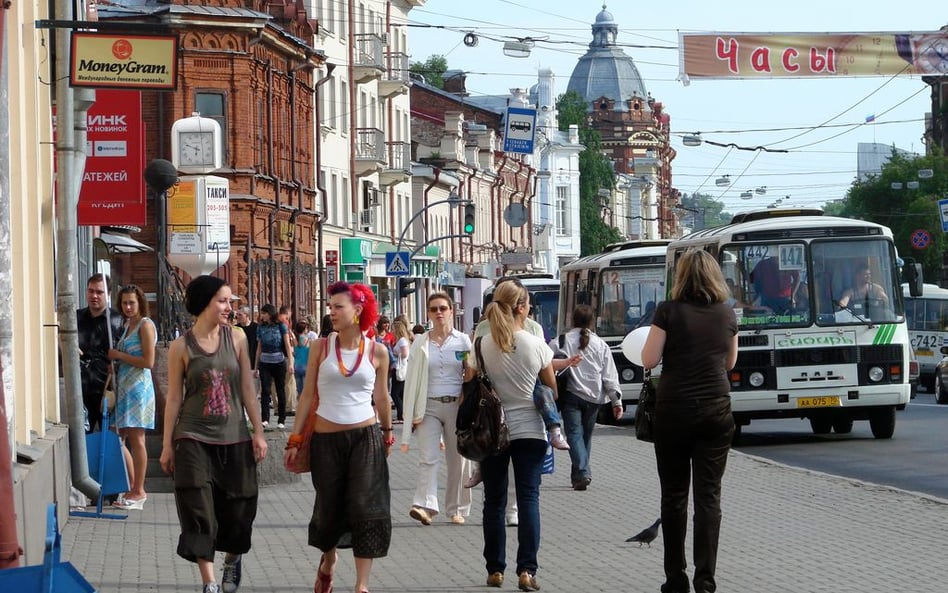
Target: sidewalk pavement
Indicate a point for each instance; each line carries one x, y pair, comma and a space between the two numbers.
785, 530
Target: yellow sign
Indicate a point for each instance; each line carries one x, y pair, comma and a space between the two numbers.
182, 207
795, 55
146, 62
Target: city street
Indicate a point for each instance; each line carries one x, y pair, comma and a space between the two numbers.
785, 530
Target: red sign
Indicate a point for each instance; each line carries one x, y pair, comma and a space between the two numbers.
113, 188
920, 239
332, 257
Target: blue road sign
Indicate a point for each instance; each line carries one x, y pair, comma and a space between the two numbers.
943, 209
520, 131
397, 263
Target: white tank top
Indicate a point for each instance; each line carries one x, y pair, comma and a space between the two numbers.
346, 400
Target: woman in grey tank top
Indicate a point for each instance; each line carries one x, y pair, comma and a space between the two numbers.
207, 446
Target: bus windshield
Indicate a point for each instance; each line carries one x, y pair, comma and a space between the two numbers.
795, 284
628, 297
545, 304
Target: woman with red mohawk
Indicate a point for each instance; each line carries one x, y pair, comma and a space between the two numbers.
349, 446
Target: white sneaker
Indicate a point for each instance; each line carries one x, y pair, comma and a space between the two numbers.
512, 519
281, 426
559, 442
265, 424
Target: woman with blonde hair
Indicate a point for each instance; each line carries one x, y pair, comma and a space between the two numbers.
436, 372
694, 336
513, 359
403, 339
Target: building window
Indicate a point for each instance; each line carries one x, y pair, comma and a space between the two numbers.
562, 210
344, 106
214, 106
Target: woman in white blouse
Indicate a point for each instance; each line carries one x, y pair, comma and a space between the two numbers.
432, 389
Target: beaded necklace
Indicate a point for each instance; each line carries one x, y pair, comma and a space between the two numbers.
342, 367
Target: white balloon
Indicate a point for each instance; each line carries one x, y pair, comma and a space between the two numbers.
634, 342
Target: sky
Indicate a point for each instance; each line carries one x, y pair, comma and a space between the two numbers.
827, 116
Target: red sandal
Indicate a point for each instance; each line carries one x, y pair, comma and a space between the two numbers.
323, 580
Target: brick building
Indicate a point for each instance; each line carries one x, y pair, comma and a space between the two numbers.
253, 68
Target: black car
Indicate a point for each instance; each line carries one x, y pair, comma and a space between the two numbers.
941, 378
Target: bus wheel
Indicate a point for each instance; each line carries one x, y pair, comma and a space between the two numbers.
843, 424
882, 422
821, 424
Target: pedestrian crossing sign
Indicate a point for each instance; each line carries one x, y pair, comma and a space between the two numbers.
397, 263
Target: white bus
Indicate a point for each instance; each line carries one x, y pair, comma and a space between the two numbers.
544, 292
622, 285
927, 318
802, 354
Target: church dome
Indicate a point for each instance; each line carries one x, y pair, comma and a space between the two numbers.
605, 70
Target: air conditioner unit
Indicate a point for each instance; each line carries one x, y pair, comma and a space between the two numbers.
367, 220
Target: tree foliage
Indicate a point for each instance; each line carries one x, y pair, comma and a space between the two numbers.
703, 211
432, 70
595, 173
905, 210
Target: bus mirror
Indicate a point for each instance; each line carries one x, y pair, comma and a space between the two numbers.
912, 274
944, 350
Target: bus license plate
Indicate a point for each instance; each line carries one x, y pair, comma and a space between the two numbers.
823, 401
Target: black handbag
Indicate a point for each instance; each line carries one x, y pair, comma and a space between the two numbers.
563, 376
481, 430
645, 410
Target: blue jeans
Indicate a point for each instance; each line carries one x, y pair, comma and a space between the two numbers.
300, 374
579, 420
546, 405
527, 457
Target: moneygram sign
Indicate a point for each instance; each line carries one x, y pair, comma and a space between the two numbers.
144, 62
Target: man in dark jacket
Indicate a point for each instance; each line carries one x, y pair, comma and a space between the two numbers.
92, 323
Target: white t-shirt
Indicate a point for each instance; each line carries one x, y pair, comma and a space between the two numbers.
514, 375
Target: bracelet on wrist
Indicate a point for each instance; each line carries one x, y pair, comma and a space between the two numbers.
387, 429
290, 446
294, 440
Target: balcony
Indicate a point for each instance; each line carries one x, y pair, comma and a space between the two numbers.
397, 168
370, 151
369, 62
395, 79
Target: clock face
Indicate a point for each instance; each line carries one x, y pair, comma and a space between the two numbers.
196, 149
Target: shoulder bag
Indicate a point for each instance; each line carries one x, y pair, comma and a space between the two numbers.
645, 410
301, 463
562, 377
481, 430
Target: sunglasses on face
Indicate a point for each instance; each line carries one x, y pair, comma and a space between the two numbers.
439, 308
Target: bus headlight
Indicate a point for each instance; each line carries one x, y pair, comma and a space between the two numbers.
756, 379
876, 374
628, 375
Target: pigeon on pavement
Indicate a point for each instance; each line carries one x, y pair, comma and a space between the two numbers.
646, 536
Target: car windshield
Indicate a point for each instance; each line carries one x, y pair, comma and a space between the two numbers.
627, 298
545, 304
792, 284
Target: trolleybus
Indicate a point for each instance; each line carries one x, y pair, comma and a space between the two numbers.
622, 285
544, 292
807, 347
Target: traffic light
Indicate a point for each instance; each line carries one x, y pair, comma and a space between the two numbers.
407, 287
469, 219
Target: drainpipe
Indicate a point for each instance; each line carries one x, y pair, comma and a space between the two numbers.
271, 219
529, 200
294, 250
353, 131
321, 188
494, 200
437, 176
70, 165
